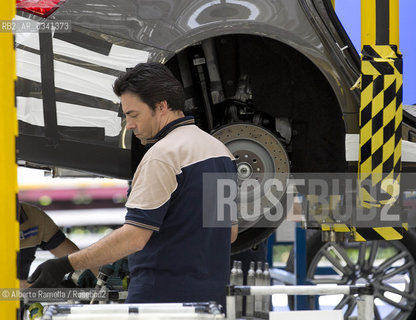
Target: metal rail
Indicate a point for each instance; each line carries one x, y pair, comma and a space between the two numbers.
365, 301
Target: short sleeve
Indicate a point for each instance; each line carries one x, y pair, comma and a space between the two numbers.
54, 241
151, 191
39, 230
47, 226
50, 234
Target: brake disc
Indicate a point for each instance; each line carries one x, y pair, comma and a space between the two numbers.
260, 157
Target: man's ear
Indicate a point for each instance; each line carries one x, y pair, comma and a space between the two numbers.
162, 106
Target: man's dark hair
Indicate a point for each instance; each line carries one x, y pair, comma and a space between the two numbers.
152, 82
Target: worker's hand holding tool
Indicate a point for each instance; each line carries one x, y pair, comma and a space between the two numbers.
83, 278
50, 273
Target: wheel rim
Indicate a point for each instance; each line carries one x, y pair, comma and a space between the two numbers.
260, 156
387, 265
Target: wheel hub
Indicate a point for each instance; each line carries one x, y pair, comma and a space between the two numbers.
244, 170
249, 165
259, 156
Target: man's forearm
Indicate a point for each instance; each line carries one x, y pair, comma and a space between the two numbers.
118, 244
234, 233
65, 248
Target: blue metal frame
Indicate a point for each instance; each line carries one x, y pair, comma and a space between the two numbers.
299, 276
301, 302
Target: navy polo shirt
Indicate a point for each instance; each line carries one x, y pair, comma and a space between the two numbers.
183, 261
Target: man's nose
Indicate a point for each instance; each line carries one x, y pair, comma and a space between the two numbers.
130, 125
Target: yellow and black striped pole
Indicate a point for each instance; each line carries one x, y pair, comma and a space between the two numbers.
380, 112
9, 227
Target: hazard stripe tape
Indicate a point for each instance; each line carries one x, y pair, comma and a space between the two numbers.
380, 233
341, 228
337, 227
352, 146
380, 135
328, 224
380, 126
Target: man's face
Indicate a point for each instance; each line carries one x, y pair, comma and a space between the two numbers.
140, 118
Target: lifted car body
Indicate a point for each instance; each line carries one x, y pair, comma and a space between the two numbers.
282, 68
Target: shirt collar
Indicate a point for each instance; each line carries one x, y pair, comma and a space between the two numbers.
170, 127
22, 214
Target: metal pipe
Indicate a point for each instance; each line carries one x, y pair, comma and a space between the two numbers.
266, 299
132, 316
394, 32
217, 94
141, 310
239, 282
365, 306
368, 22
120, 308
251, 281
231, 304
134, 311
294, 290
365, 292
259, 282
379, 22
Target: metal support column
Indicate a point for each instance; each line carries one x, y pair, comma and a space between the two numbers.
299, 251
271, 241
9, 228
380, 113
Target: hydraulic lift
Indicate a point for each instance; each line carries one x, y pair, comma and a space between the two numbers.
9, 228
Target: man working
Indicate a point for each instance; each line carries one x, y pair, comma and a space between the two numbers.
172, 257
37, 230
